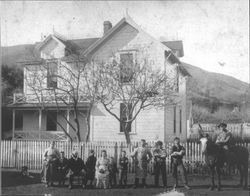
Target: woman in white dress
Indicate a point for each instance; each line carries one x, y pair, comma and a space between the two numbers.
102, 170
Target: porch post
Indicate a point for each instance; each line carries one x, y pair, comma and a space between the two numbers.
13, 123
40, 123
67, 128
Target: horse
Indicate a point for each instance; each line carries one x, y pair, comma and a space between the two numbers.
216, 156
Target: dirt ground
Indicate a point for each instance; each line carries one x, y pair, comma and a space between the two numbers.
13, 184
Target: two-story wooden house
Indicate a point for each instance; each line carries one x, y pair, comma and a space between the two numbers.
126, 37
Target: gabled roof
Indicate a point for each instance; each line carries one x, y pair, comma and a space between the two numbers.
171, 46
75, 46
175, 46
123, 21
51, 36
28, 54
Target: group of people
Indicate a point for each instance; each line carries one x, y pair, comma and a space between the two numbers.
104, 170
56, 167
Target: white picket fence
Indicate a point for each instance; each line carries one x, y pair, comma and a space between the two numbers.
18, 153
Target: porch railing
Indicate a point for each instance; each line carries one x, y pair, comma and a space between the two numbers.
46, 98
41, 135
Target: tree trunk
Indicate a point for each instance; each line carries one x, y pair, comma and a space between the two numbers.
88, 124
78, 136
127, 135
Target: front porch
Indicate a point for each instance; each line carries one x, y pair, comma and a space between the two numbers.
37, 124
31, 122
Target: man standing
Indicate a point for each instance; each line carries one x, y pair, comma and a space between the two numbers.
160, 163
225, 137
76, 168
112, 172
123, 169
142, 156
51, 155
90, 167
177, 154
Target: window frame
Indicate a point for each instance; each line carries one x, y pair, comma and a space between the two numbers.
18, 120
51, 84
48, 118
133, 53
121, 123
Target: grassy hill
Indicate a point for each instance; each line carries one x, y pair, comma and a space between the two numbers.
204, 85
12, 54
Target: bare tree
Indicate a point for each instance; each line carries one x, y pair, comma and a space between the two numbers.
133, 86
64, 84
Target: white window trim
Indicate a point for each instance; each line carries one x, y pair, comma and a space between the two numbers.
133, 125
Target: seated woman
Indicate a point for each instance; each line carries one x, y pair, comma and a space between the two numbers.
62, 167
76, 168
102, 170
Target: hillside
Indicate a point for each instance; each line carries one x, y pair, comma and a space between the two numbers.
12, 54
202, 85
214, 86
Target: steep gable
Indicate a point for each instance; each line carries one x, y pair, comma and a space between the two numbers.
121, 24
51, 47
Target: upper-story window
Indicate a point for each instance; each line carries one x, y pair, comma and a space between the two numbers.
124, 111
126, 67
52, 75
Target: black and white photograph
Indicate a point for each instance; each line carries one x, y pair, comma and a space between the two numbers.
125, 98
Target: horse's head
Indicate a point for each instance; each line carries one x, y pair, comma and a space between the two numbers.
204, 141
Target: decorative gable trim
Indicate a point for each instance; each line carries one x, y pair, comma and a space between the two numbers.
40, 45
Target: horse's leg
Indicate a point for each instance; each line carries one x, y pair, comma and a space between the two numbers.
212, 171
245, 172
218, 171
240, 168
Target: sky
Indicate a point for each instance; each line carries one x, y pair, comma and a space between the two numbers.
215, 34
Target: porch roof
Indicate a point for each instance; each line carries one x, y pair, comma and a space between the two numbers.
35, 106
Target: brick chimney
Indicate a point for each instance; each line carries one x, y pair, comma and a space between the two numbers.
107, 25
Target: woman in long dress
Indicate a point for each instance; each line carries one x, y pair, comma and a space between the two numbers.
51, 155
142, 156
102, 170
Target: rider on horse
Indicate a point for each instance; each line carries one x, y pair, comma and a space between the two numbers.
225, 141
225, 138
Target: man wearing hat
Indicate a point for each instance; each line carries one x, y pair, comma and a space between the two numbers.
160, 163
76, 168
225, 137
142, 156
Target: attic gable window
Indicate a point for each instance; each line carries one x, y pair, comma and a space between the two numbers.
126, 67
52, 75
